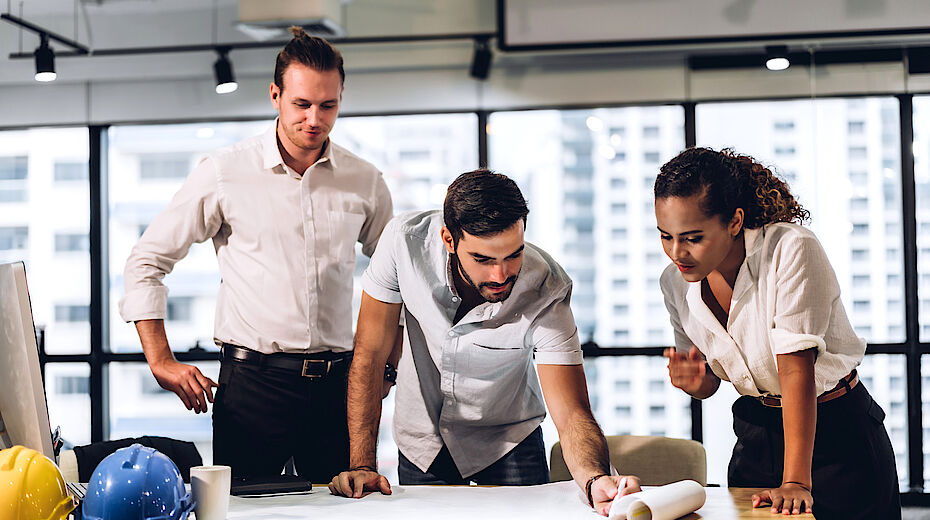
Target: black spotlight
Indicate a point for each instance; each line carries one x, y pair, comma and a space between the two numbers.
45, 61
225, 80
776, 57
481, 60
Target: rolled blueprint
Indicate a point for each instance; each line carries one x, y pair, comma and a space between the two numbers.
659, 503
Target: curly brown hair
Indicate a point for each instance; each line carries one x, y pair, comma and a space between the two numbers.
729, 180
316, 53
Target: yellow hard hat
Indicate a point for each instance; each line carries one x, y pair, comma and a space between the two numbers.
31, 487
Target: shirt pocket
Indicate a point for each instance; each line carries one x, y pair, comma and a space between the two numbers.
345, 230
494, 361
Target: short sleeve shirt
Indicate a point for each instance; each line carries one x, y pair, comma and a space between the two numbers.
469, 385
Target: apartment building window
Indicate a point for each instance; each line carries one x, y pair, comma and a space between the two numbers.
858, 204
857, 152
860, 280
71, 313
784, 151
855, 127
651, 157
72, 242
180, 308
617, 183
13, 173
860, 229
158, 166
14, 238
70, 385
650, 131
70, 171
783, 126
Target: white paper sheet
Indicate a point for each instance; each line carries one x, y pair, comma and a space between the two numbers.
556, 501
660, 503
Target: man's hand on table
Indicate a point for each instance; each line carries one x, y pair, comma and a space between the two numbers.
358, 483
605, 490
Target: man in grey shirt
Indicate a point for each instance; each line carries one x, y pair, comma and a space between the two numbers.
480, 304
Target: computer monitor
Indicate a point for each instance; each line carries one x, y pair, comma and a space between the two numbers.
22, 396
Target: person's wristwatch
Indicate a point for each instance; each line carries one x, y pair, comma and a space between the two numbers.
390, 373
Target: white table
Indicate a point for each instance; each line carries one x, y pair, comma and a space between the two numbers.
560, 500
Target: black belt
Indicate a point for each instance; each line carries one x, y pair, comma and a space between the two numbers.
313, 366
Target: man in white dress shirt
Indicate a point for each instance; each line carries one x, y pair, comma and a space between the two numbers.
480, 305
284, 211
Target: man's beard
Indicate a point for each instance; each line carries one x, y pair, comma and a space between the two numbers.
490, 296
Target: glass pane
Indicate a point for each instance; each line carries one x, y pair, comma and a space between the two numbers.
841, 158
921, 146
588, 177
67, 390
631, 395
138, 406
419, 155
44, 221
885, 378
147, 166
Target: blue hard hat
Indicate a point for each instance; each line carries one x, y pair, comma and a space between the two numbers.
137, 483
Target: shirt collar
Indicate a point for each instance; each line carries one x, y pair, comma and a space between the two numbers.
271, 155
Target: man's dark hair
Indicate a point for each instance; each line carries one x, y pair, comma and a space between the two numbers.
482, 203
316, 53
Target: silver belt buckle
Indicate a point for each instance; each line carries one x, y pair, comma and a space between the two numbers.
326, 363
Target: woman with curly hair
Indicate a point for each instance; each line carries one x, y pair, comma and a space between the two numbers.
753, 300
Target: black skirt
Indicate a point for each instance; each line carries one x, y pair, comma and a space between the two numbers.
853, 467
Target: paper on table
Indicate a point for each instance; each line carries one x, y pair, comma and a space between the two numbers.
661, 503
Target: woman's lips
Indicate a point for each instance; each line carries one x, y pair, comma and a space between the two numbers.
684, 268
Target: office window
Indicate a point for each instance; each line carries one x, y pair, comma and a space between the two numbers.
67, 392
783, 126
31, 228
147, 165
856, 127
922, 185
138, 406
609, 184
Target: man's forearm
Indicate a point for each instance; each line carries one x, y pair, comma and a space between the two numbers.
154, 341
364, 409
585, 448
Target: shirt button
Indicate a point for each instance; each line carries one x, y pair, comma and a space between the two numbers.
451, 333
455, 299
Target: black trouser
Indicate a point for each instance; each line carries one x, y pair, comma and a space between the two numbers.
263, 416
853, 468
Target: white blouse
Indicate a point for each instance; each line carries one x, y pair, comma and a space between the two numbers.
786, 298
